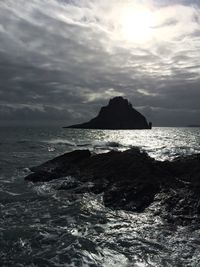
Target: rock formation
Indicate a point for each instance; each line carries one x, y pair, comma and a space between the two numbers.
119, 114
130, 180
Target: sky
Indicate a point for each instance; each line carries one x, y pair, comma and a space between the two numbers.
61, 60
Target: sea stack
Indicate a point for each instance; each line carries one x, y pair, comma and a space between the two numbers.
118, 114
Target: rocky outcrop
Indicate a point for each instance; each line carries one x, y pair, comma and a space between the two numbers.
119, 114
130, 180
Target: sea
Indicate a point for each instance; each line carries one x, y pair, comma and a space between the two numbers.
43, 226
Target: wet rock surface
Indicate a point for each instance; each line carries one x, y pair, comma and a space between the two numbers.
130, 180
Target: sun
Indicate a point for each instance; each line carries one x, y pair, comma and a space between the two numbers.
137, 23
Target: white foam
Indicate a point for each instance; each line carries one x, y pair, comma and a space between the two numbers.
61, 141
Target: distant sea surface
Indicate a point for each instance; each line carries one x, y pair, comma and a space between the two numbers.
40, 226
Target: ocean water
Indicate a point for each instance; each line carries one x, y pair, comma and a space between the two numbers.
41, 226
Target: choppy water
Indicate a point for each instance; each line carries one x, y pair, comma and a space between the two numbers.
40, 226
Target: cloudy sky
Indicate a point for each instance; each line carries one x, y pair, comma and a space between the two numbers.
61, 60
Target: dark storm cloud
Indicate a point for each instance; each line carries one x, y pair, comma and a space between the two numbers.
61, 60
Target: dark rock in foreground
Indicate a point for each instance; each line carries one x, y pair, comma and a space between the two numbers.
130, 180
119, 114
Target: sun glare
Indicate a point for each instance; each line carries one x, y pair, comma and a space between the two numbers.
137, 24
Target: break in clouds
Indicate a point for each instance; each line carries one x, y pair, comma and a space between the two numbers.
62, 60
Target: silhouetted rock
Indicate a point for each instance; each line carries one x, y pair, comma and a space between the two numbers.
130, 180
119, 114
58, 166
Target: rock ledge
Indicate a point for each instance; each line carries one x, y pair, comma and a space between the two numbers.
130, 180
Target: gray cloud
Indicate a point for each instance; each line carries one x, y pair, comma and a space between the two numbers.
61, 60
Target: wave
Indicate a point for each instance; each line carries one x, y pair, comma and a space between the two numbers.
22, 141
105, 144
61, 142
158, 151
92, 144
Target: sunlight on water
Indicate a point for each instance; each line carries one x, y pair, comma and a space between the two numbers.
160, 143
81, 232
43, 226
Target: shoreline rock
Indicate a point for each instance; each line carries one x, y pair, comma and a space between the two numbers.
130, 180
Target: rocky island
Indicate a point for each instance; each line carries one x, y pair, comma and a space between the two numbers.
118, 114
130, 180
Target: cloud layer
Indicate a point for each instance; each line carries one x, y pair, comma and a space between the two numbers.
61, 60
